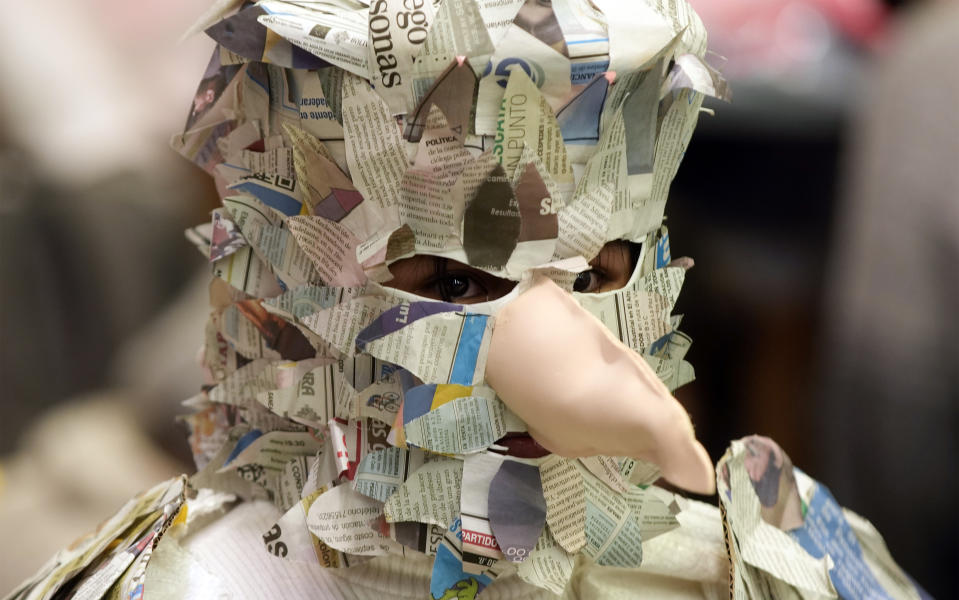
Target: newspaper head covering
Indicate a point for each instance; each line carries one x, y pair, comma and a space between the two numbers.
517, 138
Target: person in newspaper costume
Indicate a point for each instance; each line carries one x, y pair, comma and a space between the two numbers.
440, 348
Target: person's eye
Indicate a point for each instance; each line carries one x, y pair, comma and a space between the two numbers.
610, 270
457, 287
588, 282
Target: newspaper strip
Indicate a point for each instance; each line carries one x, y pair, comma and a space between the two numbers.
480, 550
427, 201
341, 517
375, 151
291, 538
606, 469
381, 473
272, 244
582, 224
517, 509
639, 314
264, 459
613, 535
340, 324
457, 30
243, 36
461, 426
441, 348
246, 272
526, 119
548, 566
675, 131
84, 551
565, 492
430, 494
636, 33
655, 510
318, 395
327, 191
331, 247
520, 51
337, 36
757, 542
397, 30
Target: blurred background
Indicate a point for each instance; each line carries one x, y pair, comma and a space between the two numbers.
821, 207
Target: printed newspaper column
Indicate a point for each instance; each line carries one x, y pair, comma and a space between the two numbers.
675, 131
340, 517
398, 29
431, 494
331, 247
291, 538
654, 509
480, 550
613, 536
317, 118
375, 150
583, 224
565, 494
381, 472
426, 201
549, 566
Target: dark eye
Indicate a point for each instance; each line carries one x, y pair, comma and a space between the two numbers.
453, 286
587, 281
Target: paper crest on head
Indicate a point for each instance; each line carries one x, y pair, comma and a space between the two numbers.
514, 137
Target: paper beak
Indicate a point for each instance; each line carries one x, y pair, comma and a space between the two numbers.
582, 392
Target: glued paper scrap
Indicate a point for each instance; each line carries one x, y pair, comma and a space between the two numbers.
517, 509
340, 517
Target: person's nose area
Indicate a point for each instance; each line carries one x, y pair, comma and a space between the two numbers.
583, 393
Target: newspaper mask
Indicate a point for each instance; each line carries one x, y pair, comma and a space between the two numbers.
412, 196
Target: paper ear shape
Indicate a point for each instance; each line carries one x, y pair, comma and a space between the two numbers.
583, 393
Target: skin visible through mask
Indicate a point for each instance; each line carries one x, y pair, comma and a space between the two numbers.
451, 281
